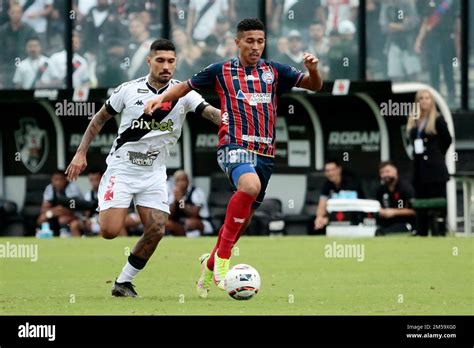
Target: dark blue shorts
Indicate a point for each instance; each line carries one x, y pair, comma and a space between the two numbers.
235, 160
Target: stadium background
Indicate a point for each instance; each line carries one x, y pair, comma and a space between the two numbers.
311, 127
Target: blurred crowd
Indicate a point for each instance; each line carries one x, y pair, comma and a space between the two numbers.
66, 211
111, 38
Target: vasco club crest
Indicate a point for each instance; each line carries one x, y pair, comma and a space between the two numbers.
32, 144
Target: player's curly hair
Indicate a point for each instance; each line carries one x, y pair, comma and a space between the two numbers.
250, 24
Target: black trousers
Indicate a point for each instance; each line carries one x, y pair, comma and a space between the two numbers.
431, 219
397, 227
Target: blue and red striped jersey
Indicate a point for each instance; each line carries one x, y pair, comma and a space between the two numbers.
248, 97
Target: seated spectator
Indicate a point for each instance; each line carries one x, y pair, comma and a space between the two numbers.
114, 72
189, 213
121, 9
36, 16
89, 224
239, 10
99, 26
339, 11
294, 55
81, 8
138, 49
29, 72
151, 20
343, 54
282, 45
208, 54
4, 7
102, 37
287, 15
339, 184
187, 54
319, 44
221, 30
133, 224
178, 11
439, 36
58, 204
55, 74
228, 49
394, 196
57, 26
14, 35
403, 64
203, 17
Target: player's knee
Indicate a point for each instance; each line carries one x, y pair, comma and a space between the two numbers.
250, 184
110, 232
252, 188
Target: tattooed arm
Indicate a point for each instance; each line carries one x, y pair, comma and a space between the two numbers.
79, 162
212, 114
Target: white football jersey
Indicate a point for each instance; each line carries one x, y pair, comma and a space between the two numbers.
142, 138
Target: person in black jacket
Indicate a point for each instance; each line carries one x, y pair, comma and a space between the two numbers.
394, 195
339, 183
430, 138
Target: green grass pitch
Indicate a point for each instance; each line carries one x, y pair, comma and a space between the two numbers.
398, 276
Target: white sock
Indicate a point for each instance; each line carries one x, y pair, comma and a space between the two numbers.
128, 273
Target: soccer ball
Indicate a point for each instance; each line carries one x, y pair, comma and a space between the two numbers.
242, 282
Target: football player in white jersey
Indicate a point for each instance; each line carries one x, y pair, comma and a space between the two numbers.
136, 162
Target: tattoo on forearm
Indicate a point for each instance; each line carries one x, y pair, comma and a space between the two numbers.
152, 234
94, 128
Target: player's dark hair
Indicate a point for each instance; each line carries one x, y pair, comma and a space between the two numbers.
250, 24
332, 160
162, 45
384, 164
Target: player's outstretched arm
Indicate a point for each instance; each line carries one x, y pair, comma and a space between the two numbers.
313, 81
212, 114
173, 93
79, 162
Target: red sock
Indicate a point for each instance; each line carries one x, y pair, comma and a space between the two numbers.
241, 232
210, 260
238, 210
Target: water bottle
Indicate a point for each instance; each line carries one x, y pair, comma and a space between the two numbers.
45, 231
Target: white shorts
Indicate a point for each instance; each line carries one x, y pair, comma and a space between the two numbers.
121, 183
